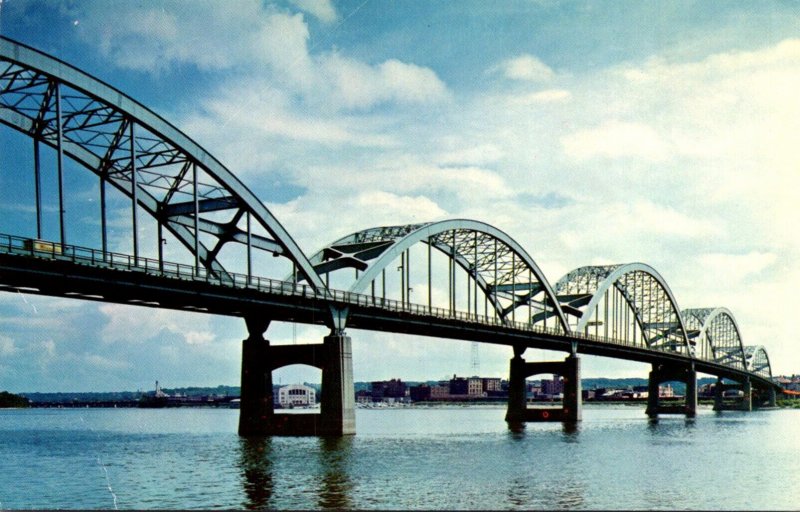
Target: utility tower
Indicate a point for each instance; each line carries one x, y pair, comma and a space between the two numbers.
475, 359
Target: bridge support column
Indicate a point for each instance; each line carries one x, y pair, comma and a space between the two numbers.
571, 407
747, 397
256, 412
772, 401
741, 403
334, 356
338, 408
517, 390
665, 373
719, 390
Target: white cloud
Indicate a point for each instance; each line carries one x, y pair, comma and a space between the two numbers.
616, 140
199, 337
526, 67
130, 324
481, 154
737, 267
269, 44
321, 9
356, 85
390, 205
105, 363
153, 38
539, 98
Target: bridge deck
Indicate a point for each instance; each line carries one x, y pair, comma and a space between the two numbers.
90, 274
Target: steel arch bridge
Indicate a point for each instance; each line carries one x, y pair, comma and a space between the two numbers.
495, 291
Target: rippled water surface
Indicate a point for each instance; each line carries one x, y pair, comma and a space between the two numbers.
442, 458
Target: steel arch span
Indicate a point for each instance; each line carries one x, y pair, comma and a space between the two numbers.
631, 302
716, 332
185, 189
757, 361
501, 268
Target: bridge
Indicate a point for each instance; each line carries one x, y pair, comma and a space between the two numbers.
471, 281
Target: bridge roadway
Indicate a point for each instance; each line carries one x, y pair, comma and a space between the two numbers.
90, 274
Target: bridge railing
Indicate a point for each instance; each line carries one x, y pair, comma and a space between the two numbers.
15, 245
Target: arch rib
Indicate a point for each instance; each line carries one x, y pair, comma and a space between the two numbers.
29, 74
757, 361
374, 249
606, 277
705, 319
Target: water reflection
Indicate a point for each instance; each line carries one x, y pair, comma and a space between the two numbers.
529, 492
336, 485
569, 495
571, 429
256, 468
671, 430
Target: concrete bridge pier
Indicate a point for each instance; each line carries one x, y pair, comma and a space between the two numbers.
665, 373
338, 407
257, 410
518, 411
334, 356
772, 398
743, 403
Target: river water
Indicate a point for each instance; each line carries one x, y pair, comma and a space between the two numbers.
405, 458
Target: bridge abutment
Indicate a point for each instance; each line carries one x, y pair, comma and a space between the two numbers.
334, 356
518, 411
665, 373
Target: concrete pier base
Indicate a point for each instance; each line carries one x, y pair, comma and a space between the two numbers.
333, 356
338, 407
742, 403
664, 373
518, 410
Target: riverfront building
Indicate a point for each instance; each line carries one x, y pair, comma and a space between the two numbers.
388, 390
295, 395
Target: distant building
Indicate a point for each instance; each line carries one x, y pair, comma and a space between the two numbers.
492, 384
421, 393
363, 396
388, 390
552, 387
459, 386
296, 395
475, 387
666, 391
441, 391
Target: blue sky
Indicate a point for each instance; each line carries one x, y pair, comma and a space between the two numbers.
591, 132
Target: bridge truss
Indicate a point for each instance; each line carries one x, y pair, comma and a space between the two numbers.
161, 171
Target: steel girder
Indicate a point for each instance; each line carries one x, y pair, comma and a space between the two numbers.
718, 333
646, 294
757, 361
504, 271
142, 155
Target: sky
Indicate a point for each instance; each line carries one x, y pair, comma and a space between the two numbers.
591, 132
